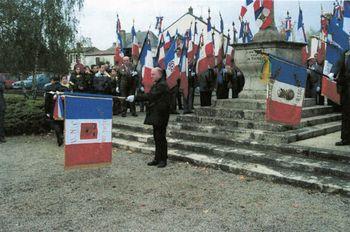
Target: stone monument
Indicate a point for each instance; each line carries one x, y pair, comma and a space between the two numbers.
269, 40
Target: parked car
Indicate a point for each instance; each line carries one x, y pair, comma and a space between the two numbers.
9, 79
41, 80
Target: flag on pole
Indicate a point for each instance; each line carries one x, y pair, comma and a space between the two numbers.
321, 46
243, 11
146, 60
58, 111
333, 55
167, 41
329, 90
286, 90
301, 37
229, 52
288, 27
346, 23
88, 129
172, 66
184, 70
262, 12
220, 45
339, 36
161, 52
118, 56
206, 57
135, 50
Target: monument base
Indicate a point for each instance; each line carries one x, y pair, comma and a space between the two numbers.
251, 62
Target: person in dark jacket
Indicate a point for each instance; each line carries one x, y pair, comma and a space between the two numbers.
237, 80
102, 81
343, 87
77, 81
188, 102
207, 82
222, 88
56, 125
157, 115
128, 83
2, 110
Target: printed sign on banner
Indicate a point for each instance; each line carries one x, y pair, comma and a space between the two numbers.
88, 129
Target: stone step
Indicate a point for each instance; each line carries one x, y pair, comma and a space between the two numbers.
302, 179
253, 94
124, 129
267, 136
252, 104
255, 114
251, 124
269, 158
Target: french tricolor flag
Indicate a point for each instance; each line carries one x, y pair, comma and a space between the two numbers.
285, 92
146, 60
88, 129
184, 70
346, 23
167, 41
301, 36
172, 66
135, 50
58, 111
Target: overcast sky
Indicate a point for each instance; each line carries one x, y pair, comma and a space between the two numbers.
97, 19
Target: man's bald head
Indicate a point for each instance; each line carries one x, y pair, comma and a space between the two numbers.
156, 74
126, 60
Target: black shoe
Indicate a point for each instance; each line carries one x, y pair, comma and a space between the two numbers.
134, 114
59, 143
153, 163
2, 140
342, 143
162, 164
174, 112
123, 115
187, 112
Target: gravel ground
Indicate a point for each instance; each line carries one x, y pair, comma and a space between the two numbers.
36, 193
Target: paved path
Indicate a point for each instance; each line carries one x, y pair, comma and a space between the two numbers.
37, 194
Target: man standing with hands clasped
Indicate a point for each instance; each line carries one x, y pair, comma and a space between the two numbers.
157, 115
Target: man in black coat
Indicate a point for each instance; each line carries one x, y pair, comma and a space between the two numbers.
343, 87
2, 110
207, 82
128, 83
56, 125
157, 114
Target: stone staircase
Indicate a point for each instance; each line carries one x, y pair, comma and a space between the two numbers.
233, 136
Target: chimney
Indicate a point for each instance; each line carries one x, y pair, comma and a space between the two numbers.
190, 10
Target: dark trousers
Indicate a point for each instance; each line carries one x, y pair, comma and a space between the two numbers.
222, 92
2, 124
188, 102
159, 135
173, 100
345, 126
58, 127
117, 107
205, 98
179, 99
126, 105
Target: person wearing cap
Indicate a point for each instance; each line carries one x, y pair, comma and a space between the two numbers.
56, 125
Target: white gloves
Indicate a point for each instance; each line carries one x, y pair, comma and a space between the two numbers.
331, 76
318, 89
133, 73
117, 89
130, 98
142, 89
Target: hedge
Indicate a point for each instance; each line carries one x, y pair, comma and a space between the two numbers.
24, 116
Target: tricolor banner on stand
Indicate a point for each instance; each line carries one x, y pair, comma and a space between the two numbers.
285, 93
88, 129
